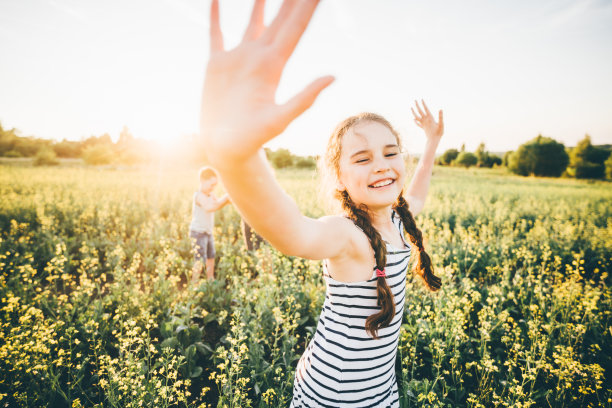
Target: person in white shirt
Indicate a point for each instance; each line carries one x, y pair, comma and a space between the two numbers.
202, 222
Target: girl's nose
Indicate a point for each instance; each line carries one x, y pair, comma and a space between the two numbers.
380, 164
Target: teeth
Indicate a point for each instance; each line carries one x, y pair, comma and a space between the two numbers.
383, 183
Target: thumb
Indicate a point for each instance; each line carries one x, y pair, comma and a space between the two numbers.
295, 106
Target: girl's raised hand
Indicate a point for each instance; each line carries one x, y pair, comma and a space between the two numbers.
239, 112
424, 119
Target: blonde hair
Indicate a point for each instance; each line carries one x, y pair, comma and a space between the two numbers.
206, 173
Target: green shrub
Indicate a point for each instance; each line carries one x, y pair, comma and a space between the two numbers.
506, 158
541, 156
448, 157
281, 158
466, 159
305, 163
46, 157
67, 148
97, 155
13, 153
608, 164
587, 161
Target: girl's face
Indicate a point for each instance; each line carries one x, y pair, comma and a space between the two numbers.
372, 170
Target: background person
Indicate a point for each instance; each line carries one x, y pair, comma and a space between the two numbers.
202, 223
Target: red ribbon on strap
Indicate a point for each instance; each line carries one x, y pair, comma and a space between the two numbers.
380, 274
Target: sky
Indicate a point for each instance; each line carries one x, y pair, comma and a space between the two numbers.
503, 71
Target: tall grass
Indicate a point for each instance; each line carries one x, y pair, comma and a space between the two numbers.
96, 310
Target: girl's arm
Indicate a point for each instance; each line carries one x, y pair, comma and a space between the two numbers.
240, 114
419, 186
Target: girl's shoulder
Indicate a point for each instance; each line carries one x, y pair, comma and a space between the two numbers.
345, 227
340, 221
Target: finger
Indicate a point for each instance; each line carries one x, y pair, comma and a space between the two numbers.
256, 25
441, 121
426, 108
419, 108
216, 36
270, 34
418, 123
295, 106
293, 27
414, 114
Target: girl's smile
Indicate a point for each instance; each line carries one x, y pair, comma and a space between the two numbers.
382, 183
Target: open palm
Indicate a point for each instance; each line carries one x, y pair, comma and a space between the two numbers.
424, 119
239, 112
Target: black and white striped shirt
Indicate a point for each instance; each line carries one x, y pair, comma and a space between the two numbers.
343, 366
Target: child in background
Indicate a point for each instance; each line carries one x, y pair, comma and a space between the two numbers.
202, 222
350, 361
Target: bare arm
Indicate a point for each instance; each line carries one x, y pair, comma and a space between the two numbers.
239, 115
419, 186
214, 204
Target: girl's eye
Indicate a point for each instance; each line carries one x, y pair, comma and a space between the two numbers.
362, 161
390, 154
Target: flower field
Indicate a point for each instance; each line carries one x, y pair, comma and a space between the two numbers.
96, 309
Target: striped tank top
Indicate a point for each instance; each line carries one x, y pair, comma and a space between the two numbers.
343, 366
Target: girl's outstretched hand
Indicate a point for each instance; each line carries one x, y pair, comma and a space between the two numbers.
239, 112
424, 119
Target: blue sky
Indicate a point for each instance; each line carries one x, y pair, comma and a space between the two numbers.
503, 71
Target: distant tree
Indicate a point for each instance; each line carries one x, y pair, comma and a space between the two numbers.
98, 154
608, 164
131, 150
491, 160
541, 156
448, 157
587, 161
67, 148
506, 157
305, 162
466, 159
126, 140
13, 153
481, 154
462, 147
486, 159
46, 157
105, 139
8, 140
281, 158
29, 146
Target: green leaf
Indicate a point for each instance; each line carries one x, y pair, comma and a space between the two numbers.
203, 348
209, 318
166, 329
190, 352
195, 334
171, 342
197, 371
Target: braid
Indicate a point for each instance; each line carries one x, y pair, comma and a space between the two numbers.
423, 266
361, 218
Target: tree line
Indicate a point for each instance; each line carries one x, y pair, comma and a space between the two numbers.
98, 150
128, 150
541, 156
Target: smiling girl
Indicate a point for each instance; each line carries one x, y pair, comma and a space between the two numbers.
350, 361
